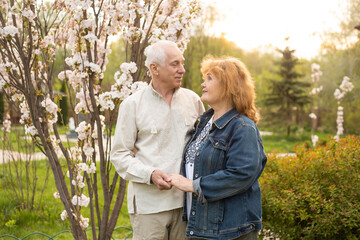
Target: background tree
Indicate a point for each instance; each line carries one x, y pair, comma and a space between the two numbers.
340, 56
30, 35
288, 94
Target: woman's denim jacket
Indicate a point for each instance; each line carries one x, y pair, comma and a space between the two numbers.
227, 199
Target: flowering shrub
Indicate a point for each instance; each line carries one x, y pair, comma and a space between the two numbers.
314, 195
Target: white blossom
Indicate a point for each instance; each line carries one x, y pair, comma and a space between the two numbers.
315, 91
81, 130
64, 74
51, 108
315, 67
91, 37
314, 139
92, 168
346, 85
31, 130
88, 150
106, 101
88, 23
93, 67
9, 30
64, 215
28, 14
128, 67
82, 167
84, 222
6, 124
312, 116
338, 94
80, 200
56, 195
136, 86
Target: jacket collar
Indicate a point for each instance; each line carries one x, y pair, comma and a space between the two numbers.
223, 120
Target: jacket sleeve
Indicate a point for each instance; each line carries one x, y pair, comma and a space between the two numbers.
122, 153
244, 166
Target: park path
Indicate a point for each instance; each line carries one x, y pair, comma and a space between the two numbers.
6, 156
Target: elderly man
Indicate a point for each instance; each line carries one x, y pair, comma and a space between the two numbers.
157, 122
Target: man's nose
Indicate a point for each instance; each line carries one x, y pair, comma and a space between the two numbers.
182, 69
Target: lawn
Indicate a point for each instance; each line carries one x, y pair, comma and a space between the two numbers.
283, 143
11, 142
20, 222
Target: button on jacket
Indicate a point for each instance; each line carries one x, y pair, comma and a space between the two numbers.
159, 132
227, 199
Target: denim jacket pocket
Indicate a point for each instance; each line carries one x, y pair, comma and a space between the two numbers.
216, 158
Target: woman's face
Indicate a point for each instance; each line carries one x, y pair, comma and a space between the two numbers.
212, 90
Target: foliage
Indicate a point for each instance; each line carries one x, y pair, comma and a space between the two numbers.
289, 92
315, 194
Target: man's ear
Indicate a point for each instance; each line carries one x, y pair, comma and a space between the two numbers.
154, 68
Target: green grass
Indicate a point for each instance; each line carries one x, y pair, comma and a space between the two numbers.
11, 140
19, 222
282, 143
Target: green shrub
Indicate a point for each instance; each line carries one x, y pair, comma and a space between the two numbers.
316, 194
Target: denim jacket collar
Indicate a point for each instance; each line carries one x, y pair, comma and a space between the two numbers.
221, 122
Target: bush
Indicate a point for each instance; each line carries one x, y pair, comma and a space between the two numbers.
314, 195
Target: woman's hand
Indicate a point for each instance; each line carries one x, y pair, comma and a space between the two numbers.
181, 182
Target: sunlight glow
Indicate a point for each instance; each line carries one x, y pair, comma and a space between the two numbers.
264, 24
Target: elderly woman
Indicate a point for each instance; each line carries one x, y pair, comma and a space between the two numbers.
224, 158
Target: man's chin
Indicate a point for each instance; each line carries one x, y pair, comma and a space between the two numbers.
178, 84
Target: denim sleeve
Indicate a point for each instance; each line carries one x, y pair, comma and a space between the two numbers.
245, 162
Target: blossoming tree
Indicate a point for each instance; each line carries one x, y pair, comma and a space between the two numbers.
315, 76
345, 87
30, 33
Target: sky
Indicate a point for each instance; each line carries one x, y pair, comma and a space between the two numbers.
259, 23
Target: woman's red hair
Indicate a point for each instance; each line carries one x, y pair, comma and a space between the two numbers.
237, 83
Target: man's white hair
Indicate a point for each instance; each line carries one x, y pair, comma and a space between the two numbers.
155, 52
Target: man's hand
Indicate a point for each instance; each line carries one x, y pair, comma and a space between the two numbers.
182, 183
161, 180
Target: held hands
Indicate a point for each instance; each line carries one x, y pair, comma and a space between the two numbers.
182, 183
161, 180
165, 182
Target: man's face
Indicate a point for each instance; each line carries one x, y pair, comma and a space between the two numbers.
171, 73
